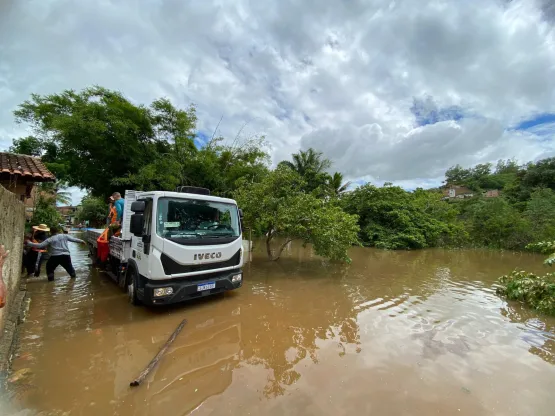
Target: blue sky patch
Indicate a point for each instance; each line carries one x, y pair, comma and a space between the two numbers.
536, 121
426, 111
201, 139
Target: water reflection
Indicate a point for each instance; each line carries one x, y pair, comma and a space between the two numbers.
392, 333
287, 321
538, 333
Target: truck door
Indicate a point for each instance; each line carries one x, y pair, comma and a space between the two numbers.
144, 244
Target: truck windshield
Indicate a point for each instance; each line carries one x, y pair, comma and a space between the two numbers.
186, 221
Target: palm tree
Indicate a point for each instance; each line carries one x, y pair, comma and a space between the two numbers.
56, 192
308, 161
63, 198
337, 185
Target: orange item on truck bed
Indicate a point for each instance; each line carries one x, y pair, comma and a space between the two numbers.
103, 246
103, 242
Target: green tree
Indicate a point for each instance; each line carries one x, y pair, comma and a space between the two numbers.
309, 161
496, 223
96, 135
216, 166
509, 166
56, 192
280, 208
162, 174
457, 175
98, 140
92, 209
311, 166
531, 177
219, 166
45, 211
27, 146
480, 170
392, 218
481, 177
540, 213
337, 184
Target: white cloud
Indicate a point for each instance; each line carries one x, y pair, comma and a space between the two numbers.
546, 130
423, 152
76, 195
338, 76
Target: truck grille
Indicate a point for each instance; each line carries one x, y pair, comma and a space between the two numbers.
172, 267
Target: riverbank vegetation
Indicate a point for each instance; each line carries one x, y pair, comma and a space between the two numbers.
98, 140
534, 290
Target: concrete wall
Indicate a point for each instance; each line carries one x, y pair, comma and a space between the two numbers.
20, 191
12, 228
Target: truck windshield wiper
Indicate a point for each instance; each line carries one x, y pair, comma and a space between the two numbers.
195, 235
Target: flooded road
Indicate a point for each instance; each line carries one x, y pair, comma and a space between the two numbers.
394, 333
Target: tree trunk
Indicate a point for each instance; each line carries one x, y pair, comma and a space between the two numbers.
281, 249
269, 237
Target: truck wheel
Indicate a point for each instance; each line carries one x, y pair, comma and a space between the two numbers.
132, 287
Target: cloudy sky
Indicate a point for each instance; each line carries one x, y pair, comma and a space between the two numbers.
389, 90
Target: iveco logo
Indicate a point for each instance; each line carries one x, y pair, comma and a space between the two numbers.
207, 256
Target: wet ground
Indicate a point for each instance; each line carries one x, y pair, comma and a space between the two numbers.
395, 333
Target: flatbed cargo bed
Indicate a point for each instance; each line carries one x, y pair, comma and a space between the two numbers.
118, 248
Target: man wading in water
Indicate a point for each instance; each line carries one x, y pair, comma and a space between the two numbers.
59, 252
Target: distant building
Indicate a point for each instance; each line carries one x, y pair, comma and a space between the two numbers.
69, 214
457, 191
19, 174
492, 193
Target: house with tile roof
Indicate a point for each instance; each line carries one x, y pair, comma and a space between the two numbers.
456, 191
69, 214
20, 173
492, 193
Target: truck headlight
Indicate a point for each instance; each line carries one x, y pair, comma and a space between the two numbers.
163, 291
237, 278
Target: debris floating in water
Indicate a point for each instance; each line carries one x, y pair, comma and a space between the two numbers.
155, 360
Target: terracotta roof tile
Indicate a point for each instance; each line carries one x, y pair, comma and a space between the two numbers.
25, 166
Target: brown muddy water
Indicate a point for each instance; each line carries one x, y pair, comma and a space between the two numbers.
394, 333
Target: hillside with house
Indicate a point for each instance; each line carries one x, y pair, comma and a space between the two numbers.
451, 191
486, 180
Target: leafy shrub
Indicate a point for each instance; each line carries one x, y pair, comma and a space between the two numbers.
536, 291
45, 212
495, 223
92, 209
392, 218
544, 247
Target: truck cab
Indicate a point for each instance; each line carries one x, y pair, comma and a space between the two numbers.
177, 246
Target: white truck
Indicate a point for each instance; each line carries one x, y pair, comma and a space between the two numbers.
175, 246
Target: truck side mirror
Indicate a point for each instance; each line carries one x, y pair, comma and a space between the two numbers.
241, 213
138, 206
137, 224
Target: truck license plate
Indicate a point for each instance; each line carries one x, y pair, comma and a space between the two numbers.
206, 286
